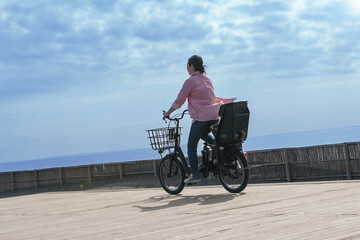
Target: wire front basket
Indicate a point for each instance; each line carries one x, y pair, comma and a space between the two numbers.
163, 138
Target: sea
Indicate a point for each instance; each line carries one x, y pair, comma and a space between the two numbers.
286, 140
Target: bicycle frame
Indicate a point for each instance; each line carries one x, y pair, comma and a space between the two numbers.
219, 151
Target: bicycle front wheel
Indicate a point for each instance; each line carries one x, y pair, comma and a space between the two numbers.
172, 175
235, 175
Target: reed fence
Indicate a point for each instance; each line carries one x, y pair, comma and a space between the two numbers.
326, 162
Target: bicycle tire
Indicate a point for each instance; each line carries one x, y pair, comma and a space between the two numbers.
235, 175
172, 175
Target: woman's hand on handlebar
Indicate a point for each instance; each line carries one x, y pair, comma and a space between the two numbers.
165, 114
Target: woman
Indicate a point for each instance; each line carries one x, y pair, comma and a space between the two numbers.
203, 108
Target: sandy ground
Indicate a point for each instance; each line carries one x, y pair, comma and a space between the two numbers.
312, 210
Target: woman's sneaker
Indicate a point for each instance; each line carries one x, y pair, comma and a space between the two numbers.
194, 178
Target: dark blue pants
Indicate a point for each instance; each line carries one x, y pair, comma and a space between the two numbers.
199, 130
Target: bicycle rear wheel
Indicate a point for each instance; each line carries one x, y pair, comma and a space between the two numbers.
235, 175
172, 175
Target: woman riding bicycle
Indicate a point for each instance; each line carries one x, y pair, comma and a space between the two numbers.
203, 108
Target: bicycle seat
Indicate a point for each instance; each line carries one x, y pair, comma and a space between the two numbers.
233, 125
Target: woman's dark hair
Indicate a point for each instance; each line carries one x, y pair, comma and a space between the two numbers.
198, 63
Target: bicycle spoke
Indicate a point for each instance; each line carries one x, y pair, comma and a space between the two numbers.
234, 176
172, 175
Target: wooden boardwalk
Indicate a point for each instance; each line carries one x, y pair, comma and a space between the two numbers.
311, 210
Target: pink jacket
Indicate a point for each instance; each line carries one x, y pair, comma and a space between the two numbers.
203, 105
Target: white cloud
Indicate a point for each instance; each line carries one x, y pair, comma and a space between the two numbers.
91, 57
354, 7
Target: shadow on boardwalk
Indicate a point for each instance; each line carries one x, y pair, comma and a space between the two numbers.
311, 210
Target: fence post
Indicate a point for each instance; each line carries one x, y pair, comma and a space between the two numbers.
287, 164
347, 161
121, 171
35, 179
61, 177
89, 173
12, 181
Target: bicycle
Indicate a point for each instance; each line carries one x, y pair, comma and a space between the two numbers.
225, 158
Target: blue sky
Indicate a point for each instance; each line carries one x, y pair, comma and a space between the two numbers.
91, 76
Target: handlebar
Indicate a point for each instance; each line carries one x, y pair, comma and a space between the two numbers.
177, 118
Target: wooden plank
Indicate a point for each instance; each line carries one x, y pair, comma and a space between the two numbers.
282, 211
